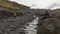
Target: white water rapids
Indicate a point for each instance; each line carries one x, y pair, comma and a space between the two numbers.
31, 28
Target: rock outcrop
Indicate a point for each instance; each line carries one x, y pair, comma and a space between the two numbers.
50, 25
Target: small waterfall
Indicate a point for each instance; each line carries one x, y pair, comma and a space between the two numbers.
31, 28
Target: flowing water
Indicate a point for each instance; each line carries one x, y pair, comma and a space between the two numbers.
31, 28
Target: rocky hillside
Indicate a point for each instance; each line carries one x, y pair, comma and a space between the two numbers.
13, 17
8, 8
49, 23
12, 6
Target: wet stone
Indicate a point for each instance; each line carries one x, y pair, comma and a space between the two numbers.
1, 32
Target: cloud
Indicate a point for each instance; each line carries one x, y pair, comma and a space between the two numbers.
37, 3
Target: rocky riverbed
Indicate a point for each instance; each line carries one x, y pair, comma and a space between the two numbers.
32, 27
15, 25
31, 23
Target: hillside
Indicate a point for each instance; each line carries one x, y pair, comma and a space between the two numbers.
11, 5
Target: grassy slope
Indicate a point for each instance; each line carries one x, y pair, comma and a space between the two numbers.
11, 5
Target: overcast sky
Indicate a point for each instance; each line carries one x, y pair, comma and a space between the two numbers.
39, 3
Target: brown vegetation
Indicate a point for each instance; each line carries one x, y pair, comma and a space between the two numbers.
11, 5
